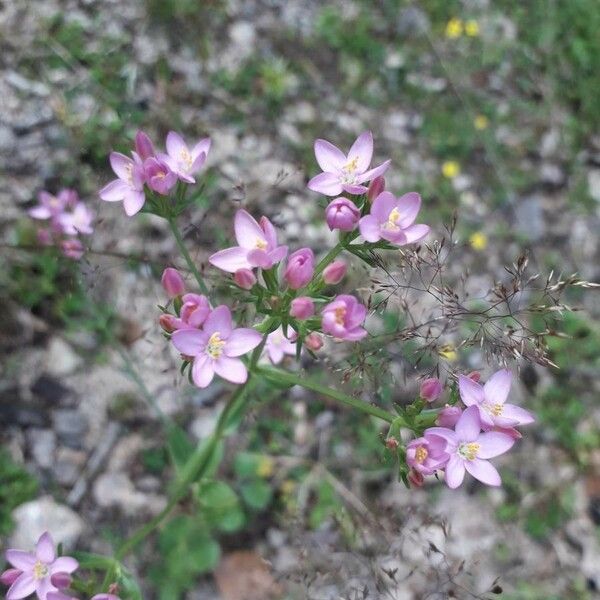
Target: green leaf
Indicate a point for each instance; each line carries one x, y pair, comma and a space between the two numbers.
257, 494
179, 445
220, 506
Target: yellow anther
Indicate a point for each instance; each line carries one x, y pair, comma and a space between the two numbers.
40, 570
261, 244
421, 454
352, 165
469, 451
340, 314
215, 345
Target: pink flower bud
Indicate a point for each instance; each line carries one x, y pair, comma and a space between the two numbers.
431, 389
511, 431
195, 309
168, 322
300, 268
474, 376
342, 214
44, 237
61, 580
302, 307
244, 278
448, 416
172, 282
377, 186
313, 341
10, 576
72, 249
415, 478
334, 272
143, 145
392, 443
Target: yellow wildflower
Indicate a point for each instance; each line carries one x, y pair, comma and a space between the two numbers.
478, 241
287, 487
448, 352
454, 28
450, 169
265, 467
472, 28
481, 122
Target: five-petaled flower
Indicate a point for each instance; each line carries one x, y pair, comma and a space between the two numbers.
129, 185
343, 318
277, 346
182, 160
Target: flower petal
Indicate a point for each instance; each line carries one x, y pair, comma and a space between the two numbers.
39, 212
121, 165
330, 158
493, 444
259, 258
20, 559
376, 172
203, 371
45, 549
64, 564
484, 471
232, 369
22, 587
408, 206
455, 471
517, 414
369, 228
230, 259
325, 183
497, 387
219, 321
175, 145
241, 341
383, 205
362, 150
247, 231
202, 147
470, 391
190, 342
415, 233
133, 202
114, 191
468, 426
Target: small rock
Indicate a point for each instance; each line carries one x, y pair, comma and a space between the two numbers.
61, 359
43, 445
70, 426
68, 465
49, 389
115, 489
593, 179
530, 218
44, 514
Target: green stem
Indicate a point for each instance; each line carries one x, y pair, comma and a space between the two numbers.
186, 255
279, 376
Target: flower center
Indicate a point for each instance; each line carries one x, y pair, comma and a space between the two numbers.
351, 166
186, 158
421, 454
40, 570
393, 218
261, 244
215, 345
340, 314
469, 451
129, 171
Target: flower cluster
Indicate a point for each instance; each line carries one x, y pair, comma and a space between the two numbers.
42, 573
464, 441
158, 171
67, 217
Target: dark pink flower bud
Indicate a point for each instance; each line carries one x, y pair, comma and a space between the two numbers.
61, 580
448, 416
302, 307
144, 146
342, 214
377, 186
10, 576
172, 282
415, 478
334, 272
313, 341
168, 323
245, 279
300, 268
474, 376
392, 443
431, 389
72, 249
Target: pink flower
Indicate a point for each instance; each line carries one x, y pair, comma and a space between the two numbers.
51, 207
216, 348
345, 173
72, 249
278, 346
343, 318
469, 449
257, 246
172, 282
245, 278
79, 220
144, 146
169, 323
300, 268
377, 186
334, 272
448, 416
129, 187
194, 311
9, 576
159, 175
183, 161
426, 454
431, 389
44, 236
37, 569
490, 400
313, 341
302, 307
342, 214
392, 219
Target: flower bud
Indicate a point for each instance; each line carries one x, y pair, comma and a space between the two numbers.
143, 145
245, 279
415, 478
448, 416
61, 580
334, 272
342, 214
167, 322
431, 389
195, 309
377, 186
474, 376
302, 307
10, 576
172, 282
392, 443
72, 249
313, 341
300, 268
44, 237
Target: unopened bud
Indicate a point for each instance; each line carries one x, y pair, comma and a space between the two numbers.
61, 580
431, 389
245, 279
302, 307
313, 341
172, 282
334, 272
415, 478
392, 443
448, 416
377, 186
474, 376
167, 322
10, 576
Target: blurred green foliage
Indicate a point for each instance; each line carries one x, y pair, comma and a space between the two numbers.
16, 486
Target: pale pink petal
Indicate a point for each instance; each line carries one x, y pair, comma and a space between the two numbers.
517, 414
247, 231
455, 471
415, 233
278, 254
241, 341
325, 183
114, 191
443, 432
44, 549
190, 342
44, 587
259, 258
275, 354
395, 237
383, 205
269, 231
408, 207
202, 147
330, 158
356, 334
230, 259
468, 426
484, 471
22, 587
232, 369
21, 560
121, 165
354, 188
133, 202
175, 145
487, 421
64, 564
203, 371
493, 444
470, 391
362, 149
219, 321
497, 387
369, 228
40, 212
198, 163
376, 172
